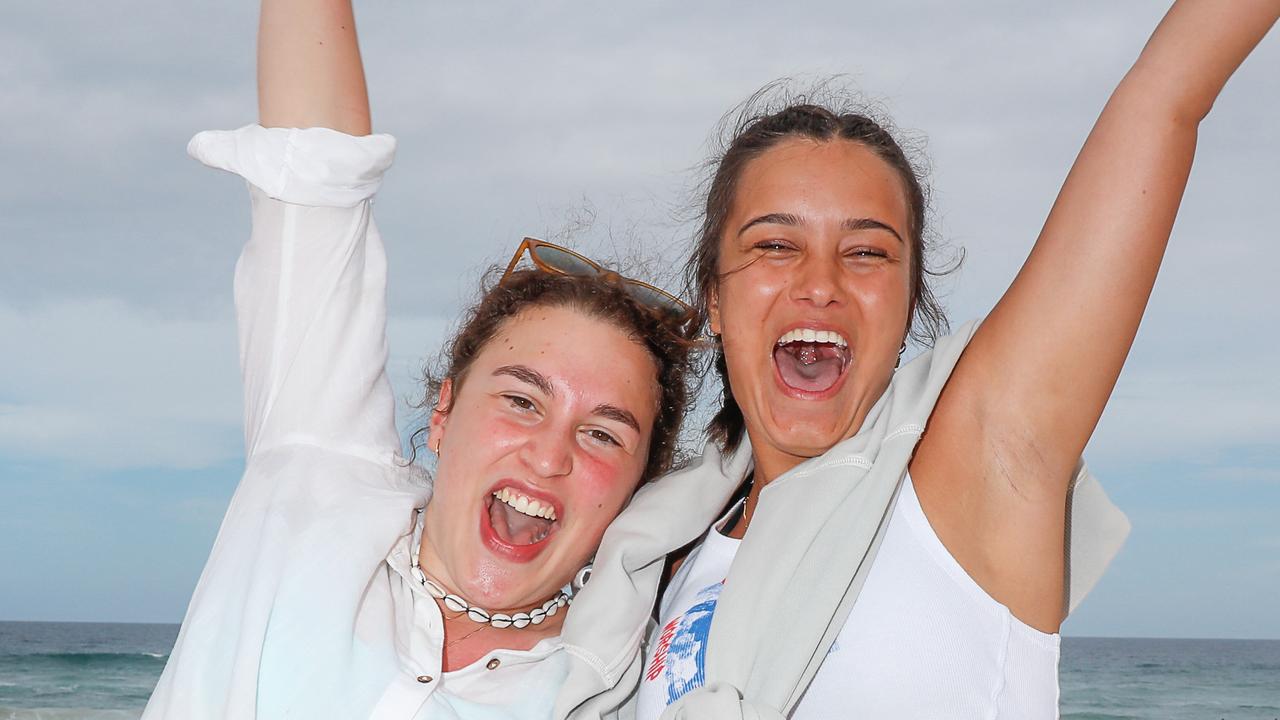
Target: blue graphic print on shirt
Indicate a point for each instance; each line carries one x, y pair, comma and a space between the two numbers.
686, 658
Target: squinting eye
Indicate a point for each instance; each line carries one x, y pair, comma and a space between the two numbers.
869, 252
772, 245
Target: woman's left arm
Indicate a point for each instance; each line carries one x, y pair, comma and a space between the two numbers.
996, 462
1047, 357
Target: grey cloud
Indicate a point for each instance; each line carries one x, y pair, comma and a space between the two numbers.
514, 117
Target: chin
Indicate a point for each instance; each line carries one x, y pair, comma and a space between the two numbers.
809, 434
806, 444
495, 586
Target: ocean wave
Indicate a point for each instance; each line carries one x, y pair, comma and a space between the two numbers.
9, 713
82, 657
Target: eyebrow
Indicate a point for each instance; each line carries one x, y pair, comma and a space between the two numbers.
616, 413
850, 225
527, 374
855, 224
772, 219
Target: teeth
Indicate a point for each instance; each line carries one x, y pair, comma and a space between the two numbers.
830, 337
526, 505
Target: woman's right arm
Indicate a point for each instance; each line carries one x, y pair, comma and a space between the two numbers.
310, 295
309, 68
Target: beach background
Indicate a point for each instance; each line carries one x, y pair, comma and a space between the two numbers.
120, 432
105, 671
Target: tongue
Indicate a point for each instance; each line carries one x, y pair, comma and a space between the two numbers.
812, 367
514, 527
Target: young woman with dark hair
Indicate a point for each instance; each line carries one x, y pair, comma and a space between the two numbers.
903, 547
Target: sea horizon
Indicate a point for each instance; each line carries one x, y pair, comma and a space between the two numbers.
1065, 635
96, 670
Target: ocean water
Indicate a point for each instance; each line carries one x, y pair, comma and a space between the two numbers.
80, 671
102, 671
1105, 678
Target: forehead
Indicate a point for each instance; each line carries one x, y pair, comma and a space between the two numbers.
585, 357
821, 181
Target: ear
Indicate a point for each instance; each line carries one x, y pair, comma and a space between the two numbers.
439, 416
713, 310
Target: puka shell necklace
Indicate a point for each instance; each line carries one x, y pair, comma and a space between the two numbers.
480, 615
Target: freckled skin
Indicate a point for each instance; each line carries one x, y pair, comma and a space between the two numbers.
554, 445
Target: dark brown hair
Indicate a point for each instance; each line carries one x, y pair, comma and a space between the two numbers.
754, 131
596, 297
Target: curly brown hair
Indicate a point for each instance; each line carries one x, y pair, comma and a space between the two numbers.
596, 296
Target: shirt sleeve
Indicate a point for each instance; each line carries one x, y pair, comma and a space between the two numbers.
310, 288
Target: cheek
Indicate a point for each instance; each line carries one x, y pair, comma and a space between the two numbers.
466, 465
885, 299
496, 431
603, 486
745, 300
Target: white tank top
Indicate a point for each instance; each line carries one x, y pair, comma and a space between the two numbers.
923, 640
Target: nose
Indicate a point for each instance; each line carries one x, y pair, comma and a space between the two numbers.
817, 281
549, 452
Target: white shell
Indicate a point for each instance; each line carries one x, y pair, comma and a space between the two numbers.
476, 614
433, 589
520, 620
581, 579
455, 603
537, 615
500, 620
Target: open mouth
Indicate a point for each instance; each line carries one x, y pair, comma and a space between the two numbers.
812, 361
520, 521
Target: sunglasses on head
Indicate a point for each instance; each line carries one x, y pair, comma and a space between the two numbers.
551, 258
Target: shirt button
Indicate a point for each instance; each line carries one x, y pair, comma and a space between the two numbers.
493, 664
424, 679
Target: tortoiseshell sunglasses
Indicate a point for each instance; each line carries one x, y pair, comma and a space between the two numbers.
552, 258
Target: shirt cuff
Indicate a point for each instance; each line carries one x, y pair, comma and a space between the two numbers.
311, 166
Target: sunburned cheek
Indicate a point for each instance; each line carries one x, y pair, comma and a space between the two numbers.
502, 431
603, 486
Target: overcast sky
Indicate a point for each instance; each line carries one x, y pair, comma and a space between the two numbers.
119, 396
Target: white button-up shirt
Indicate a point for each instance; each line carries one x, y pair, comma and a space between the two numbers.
502, 684
306, 607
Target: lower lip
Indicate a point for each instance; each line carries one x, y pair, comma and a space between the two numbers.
497, 546
799, 394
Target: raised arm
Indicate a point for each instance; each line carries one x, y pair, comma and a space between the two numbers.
309, 69
998, 456
311, 283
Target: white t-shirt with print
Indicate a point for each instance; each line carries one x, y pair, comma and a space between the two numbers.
922, 641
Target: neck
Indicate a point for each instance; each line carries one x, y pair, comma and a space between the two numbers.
758, 482
769, 463
465, 641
